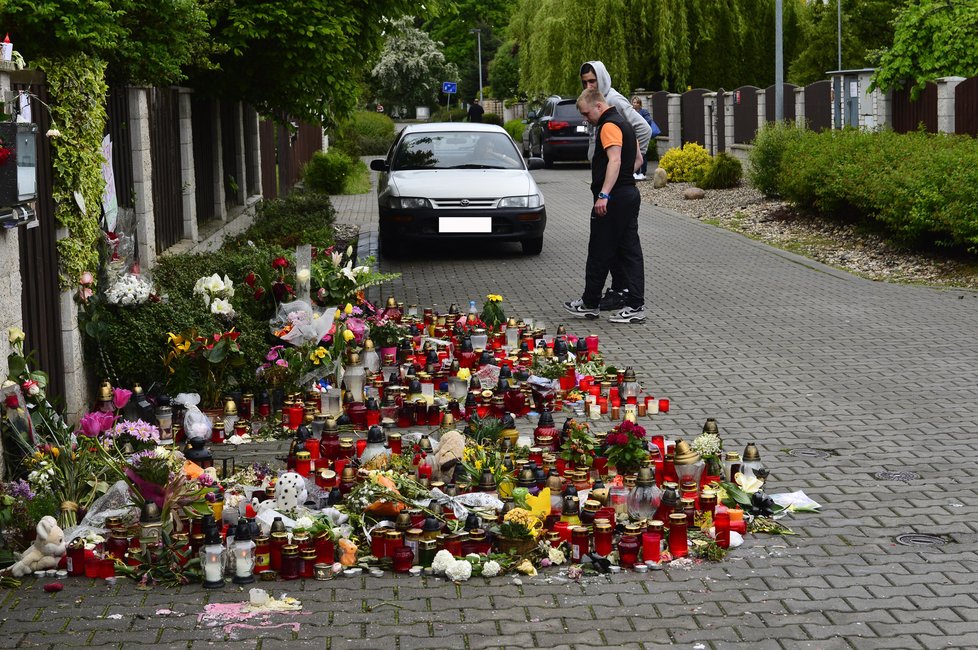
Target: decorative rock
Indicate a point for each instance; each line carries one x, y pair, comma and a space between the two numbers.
693, 193
659, 178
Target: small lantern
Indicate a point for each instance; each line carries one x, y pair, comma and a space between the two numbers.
630, 387
150, 526
243, 554
164, 418
354, 376
689, 464
376, 445
105, 398
212, 559
230, 416
752, 460
644, 498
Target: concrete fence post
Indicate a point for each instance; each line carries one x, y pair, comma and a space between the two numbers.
945, 103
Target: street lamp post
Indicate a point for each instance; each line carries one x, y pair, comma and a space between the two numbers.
478, 35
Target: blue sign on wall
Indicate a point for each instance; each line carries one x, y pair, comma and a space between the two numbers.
449, 87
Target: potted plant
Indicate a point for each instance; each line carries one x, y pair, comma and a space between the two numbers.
626, 447
519, 531
578, 446
385, 333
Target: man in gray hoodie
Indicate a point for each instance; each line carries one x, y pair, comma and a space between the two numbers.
595, 75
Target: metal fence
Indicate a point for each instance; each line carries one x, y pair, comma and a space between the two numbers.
205, 160
117, 128
788, 102
692, 111
818, 105
659, 107
745, 114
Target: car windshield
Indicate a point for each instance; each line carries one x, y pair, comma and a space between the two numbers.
456, 150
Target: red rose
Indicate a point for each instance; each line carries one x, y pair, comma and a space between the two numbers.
280, 263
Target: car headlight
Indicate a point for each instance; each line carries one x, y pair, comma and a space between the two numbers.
409, 203
531, 201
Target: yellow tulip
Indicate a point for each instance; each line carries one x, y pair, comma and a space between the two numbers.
348, 309
348, 336
55, 452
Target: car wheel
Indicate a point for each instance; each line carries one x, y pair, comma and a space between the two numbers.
532, 246
389, 246
548, 160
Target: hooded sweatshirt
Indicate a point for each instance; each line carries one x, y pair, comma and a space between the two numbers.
642, 129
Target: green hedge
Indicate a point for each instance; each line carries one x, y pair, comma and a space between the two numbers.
442, 114
300, 218
327, 172
366, 133
515, 128
493, 118
921, 188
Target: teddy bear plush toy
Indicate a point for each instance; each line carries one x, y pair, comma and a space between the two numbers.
45, 552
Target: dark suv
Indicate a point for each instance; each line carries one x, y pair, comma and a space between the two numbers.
557, 132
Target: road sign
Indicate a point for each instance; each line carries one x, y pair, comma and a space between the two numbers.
449, 87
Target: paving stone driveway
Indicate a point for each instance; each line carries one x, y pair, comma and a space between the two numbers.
834, 377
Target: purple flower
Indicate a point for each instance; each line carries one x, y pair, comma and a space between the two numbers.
20, 489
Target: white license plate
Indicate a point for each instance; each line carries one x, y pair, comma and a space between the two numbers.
581, 128
465, 224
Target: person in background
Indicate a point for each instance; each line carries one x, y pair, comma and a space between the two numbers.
595, 75
613, 236
652, 152
476, 111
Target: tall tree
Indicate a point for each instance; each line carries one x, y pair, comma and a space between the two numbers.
453, 28
866, 27
411, 66
932, 38
504, 71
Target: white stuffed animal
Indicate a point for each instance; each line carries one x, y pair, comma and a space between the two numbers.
46, 551
290, 493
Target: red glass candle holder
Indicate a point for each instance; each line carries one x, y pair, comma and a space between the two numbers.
403, 559
106, 568
378, 543
651, 545
312, 446
628, 548
663, 405
361, 445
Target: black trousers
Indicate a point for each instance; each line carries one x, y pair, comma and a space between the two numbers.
614, 241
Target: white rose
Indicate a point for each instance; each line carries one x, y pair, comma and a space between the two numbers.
304, 522
302, 276
491, 568
556, 556
459, 571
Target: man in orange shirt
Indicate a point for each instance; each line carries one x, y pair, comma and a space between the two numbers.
614, 217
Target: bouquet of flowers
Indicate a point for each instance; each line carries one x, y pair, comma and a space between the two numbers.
710, 446
137, 435
627, 447
476, 458
216, 293
492, 312
520, 524
578, 445
201, 363
129, 289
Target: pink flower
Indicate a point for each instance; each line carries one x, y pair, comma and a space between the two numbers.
30, 387
86, 278
96, 422
282, 362
120, 397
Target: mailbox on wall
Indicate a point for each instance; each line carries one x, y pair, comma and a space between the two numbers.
18, 172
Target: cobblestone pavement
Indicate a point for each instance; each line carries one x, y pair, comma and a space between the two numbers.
834, 377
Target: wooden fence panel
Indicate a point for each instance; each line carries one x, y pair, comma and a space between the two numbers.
202, 120
269, 162
164, 135
966, 107
39, 263
745, 114
908, 115
229, 151
818, 105
788, 97
692, 111
659, 107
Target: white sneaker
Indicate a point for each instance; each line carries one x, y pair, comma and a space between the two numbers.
629, 315
636, 176
640, 177
577, 308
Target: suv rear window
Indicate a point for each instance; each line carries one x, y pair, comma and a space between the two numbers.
567, 110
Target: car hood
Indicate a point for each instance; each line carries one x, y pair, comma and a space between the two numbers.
464, 183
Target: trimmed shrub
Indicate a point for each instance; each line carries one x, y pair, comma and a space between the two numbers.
723, 172
681, 165
515, 128
921, 188
302, 217
766, 154
442, 114
365, 133
492, 118
327, 172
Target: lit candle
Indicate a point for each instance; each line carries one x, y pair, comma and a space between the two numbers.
244, 565
212, 567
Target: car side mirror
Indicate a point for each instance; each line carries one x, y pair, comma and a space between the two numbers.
534, 163
532, 115
379, 165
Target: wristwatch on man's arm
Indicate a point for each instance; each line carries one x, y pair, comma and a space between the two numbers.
602, 195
